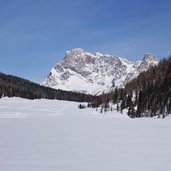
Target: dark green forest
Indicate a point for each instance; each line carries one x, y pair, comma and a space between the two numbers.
148, 95
11, 86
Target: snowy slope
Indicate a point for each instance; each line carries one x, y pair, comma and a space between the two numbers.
94, 73
51, 135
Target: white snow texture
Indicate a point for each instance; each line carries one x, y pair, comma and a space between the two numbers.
95, 73
52, 135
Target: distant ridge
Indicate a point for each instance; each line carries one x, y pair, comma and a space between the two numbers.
12, 86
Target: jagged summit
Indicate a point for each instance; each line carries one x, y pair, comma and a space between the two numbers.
79, 52
75, 52
95, 73
148, 60
150, 57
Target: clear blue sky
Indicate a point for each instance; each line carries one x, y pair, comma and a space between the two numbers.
34, 34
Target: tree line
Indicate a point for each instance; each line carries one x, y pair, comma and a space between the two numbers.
11, 86
148, 95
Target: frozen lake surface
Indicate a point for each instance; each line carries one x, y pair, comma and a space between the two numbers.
51, 135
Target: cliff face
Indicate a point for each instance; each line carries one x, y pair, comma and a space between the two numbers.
95, 73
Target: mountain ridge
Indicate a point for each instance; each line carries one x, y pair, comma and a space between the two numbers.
95, 73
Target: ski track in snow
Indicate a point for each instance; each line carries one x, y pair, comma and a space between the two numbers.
51, 135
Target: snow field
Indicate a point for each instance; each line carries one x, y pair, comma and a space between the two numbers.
51, 135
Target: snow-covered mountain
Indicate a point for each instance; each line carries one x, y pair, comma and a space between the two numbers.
95, 73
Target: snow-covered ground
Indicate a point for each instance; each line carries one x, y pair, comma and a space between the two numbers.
51, 135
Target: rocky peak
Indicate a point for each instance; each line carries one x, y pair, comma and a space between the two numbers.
95, 73
73, 53
149, 57
148, 61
